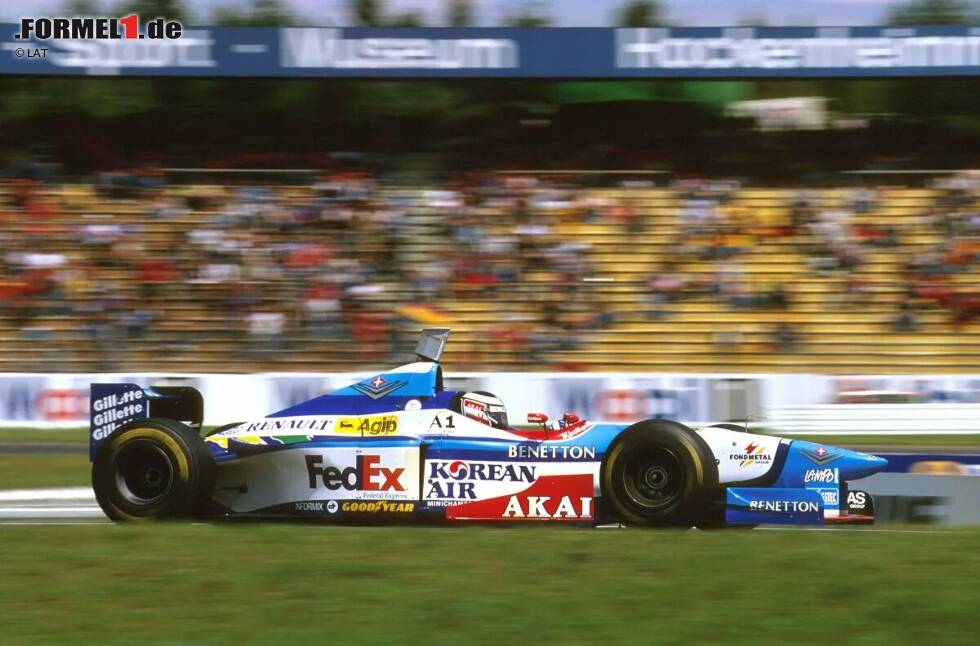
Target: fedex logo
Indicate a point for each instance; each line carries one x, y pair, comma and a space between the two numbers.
365, 475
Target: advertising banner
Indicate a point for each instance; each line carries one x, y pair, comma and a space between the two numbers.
786, 403
43, 46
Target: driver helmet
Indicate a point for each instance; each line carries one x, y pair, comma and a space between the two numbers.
485, 408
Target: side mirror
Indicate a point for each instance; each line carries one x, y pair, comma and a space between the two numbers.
537, 418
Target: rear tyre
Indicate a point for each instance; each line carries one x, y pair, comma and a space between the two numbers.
660, 473
153, 469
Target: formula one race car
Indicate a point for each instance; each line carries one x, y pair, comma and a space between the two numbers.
400, 446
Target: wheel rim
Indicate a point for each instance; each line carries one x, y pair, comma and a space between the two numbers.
144, 472
653, 478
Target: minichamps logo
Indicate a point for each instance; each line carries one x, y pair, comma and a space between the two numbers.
88, 28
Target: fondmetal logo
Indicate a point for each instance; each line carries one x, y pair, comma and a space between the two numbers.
753, 453
88, 28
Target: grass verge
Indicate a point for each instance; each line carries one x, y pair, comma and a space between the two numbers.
27, 471
43, 436
309, 584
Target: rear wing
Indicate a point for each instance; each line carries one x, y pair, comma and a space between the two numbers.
112, 405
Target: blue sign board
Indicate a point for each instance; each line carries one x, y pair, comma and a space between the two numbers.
735, 52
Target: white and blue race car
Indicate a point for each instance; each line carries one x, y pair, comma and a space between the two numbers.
398, 446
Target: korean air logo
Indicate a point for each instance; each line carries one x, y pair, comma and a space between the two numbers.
499, 472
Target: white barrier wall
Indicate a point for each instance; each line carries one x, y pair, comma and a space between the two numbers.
860, 419
783, 402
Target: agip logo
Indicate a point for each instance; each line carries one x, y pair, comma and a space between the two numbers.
377, 425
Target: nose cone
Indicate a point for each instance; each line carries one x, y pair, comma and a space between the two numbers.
855, 464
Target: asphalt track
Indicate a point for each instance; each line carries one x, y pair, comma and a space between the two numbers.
42, 447
37, 505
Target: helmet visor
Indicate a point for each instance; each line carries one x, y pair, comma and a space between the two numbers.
498, 418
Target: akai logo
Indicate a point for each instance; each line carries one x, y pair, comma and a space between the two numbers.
559, 497
470, 405
563, 508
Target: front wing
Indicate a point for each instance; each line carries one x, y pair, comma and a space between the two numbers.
777, 506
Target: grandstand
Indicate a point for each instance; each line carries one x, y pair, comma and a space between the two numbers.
530, 275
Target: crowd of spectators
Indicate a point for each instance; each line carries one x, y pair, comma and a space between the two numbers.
836, 238
340, 263
931, 273
267, 270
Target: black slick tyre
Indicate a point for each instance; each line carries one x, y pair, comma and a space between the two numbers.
153, 469
659, 473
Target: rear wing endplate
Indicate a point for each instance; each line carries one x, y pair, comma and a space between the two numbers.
112, 405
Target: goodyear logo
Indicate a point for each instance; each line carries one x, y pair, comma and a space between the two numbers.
378, 425
380, 507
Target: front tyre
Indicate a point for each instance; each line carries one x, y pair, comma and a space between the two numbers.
660, 473
153, 469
